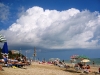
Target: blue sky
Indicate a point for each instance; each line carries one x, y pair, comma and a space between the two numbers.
54, 24
15, 7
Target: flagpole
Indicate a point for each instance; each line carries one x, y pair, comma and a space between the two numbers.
26, 54
34, 54
20, 54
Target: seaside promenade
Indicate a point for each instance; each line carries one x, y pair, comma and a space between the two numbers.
44, 69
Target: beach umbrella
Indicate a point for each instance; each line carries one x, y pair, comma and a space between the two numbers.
5, 49
2, 39
74, 57
82, 57
53, 59
85, 60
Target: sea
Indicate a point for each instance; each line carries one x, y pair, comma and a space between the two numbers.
65, 54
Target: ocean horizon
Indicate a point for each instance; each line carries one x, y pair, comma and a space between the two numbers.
63, 54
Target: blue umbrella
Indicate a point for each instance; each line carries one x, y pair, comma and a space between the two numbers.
5, 48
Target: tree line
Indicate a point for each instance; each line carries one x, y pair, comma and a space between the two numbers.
10, 54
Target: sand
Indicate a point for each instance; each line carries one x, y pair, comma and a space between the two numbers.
43, 69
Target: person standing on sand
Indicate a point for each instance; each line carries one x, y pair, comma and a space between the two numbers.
93, 63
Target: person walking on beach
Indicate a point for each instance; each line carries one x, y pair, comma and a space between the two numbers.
93, 63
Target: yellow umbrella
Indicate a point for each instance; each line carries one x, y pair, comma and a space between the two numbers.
85, 60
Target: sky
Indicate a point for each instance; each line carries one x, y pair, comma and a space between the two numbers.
50, 24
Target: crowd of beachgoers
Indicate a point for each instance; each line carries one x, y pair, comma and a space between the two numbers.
52, 67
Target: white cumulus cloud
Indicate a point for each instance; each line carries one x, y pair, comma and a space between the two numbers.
70, 28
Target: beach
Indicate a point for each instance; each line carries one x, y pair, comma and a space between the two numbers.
43, 69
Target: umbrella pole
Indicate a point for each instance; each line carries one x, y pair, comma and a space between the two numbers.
84, 63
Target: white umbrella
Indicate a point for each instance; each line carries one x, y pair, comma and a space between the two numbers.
53, 59
85, 60
2, 39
